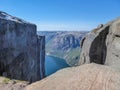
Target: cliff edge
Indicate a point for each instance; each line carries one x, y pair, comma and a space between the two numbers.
22, 51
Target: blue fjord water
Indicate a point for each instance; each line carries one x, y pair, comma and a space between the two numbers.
53, 64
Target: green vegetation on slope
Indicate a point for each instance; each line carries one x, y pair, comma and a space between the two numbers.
71, 56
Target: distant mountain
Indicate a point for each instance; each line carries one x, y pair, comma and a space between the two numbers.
64, 44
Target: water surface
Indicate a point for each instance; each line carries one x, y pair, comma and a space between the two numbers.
53, 64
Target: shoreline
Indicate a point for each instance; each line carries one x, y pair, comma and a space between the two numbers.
54, 56
58, 58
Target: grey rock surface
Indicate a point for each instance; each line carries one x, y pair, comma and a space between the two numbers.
102, 45
20, 50
84, 77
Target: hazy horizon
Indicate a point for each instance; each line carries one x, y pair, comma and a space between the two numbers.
63, 15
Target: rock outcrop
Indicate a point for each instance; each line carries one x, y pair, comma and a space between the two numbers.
102, 45
84, 77
22, 52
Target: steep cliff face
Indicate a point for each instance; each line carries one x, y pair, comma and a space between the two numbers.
41, 55
19, 49
65, 40
102, 45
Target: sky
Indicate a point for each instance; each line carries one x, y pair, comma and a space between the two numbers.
65, 15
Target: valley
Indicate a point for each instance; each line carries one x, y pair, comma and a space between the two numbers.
64, 44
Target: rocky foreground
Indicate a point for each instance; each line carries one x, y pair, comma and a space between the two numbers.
9, 84
85, 77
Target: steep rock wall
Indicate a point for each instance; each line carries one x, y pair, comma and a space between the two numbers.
102, 45
19, 51
41, 55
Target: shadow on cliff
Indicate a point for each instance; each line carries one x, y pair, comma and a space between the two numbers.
98, 47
